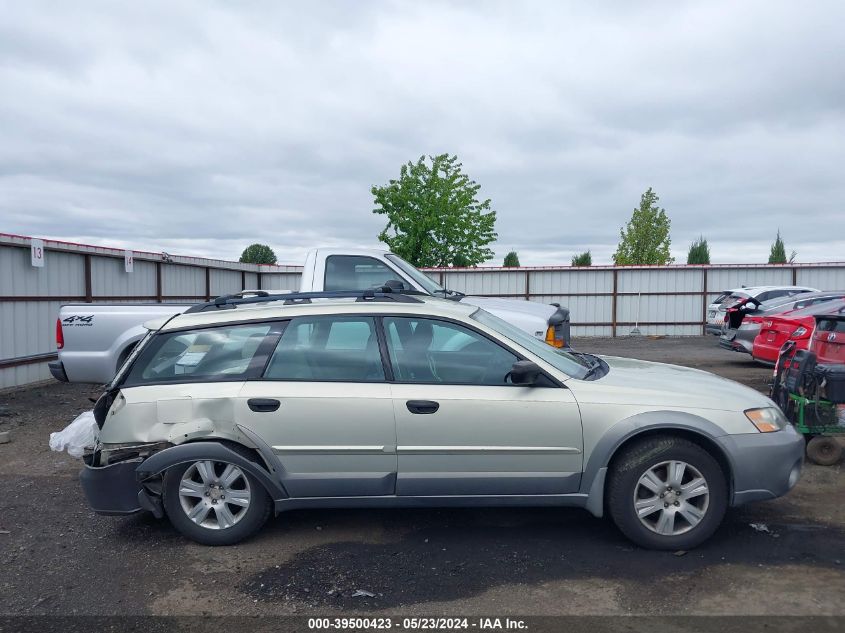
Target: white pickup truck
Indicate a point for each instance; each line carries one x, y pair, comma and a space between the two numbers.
94, 339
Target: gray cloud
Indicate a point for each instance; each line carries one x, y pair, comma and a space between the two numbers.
198, 127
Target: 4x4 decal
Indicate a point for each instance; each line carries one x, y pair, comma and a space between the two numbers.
79, 320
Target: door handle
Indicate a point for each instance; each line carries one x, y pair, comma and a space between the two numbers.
263, 405
422, 406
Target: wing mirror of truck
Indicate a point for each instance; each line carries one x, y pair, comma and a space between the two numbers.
395, 285
525, 372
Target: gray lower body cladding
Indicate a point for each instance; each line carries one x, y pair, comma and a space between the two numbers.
765, 465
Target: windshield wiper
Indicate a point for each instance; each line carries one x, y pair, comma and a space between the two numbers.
592, 365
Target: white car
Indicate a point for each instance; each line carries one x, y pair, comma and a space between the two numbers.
716, 311
244, 407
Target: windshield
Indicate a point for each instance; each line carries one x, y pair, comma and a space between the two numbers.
420, 278
564, 361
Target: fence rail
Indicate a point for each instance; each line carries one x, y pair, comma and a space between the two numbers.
603, 300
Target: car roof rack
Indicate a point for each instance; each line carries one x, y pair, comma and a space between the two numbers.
250, 297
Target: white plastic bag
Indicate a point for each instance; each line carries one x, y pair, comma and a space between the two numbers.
76, 436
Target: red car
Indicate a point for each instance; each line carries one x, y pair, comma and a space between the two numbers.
796, 326
829, 339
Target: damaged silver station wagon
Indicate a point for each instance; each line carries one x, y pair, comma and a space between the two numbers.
247, 406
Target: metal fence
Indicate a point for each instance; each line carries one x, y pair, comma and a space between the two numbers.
612, 301
30, 296
603, 300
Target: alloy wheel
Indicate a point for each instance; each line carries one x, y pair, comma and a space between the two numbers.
214, 495
671, 498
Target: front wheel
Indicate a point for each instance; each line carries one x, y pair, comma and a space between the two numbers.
215, 503
667, 493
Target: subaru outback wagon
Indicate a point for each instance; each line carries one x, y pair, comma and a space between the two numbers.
245, 407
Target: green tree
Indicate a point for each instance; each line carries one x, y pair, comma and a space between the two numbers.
778, 253
699, 252
434, 217
460, 261
258, 254
511, 260
582, 259
645, 239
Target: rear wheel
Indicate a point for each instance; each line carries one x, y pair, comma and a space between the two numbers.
667, 493
824, 450
215, 503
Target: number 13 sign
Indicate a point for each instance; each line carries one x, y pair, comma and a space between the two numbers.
36, 249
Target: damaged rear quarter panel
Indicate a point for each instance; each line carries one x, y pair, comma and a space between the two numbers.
173, 413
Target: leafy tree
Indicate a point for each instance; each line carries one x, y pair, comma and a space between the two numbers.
699, 252
645, 239
460, 261
258, 254
433, 215
582, 259
511, 260
778, 253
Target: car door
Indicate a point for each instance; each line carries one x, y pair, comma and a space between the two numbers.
324, 408
463, 429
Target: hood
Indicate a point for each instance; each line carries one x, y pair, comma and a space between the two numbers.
493, 304
530, 316
642, 382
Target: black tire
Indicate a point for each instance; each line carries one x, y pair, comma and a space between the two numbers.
623, 485
824, 450
254, 516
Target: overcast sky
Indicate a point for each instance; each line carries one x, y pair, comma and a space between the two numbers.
199, 127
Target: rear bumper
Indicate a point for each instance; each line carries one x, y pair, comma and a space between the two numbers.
712, 328
737, 341
57, 369
765, 465
112, 489
765, 353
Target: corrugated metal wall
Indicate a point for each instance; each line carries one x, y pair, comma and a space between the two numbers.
30, 297
603, 301
609, 301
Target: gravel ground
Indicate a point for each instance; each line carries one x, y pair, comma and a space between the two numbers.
57, 557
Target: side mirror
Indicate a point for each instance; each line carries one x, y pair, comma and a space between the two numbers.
395, 285
525, 372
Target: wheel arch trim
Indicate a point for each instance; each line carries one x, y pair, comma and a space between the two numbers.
216, 451
593, 480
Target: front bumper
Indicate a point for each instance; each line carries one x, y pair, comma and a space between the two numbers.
112, 489
713, 328
765, 465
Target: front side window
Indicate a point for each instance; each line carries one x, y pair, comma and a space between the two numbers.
424, 281
566, 362
221, 353
327, 348
430, 351
355, 272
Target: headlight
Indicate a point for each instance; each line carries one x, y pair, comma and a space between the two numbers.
767, 420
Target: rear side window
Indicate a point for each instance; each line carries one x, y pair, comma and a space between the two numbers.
354, 272
327, 349
210, 354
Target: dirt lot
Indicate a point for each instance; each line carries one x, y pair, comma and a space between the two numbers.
57, 557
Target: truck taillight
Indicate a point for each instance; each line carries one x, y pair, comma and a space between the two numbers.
552, 337
60, 337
